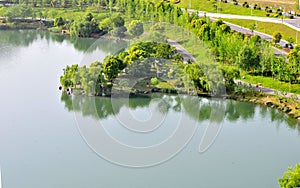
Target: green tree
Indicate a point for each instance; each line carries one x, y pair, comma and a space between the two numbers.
52, 13
291, 40
229, 74
112, 66
119, 31
117, 20
59, 22
291, 178
106, 24
266, 59
247, 59
196, 75
276, 37
154, 81
18, 11
252, 27
136, 28
204, 32
85, 26
69, 76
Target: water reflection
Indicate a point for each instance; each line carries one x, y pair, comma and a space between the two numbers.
200, 109
26, 37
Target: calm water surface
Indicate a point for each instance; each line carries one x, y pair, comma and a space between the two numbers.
40, 144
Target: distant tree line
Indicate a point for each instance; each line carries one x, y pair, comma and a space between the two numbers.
246, 52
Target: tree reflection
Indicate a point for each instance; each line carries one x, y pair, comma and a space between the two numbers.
24, 38
239, 110
197, 108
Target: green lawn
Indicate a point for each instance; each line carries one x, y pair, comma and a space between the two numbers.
285, 4
196, 48
266, 27
226, 8
71, 13
269, 82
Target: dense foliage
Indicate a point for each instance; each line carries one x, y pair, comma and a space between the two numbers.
84, 27
291, 178
136, 28
248, 53
98, 76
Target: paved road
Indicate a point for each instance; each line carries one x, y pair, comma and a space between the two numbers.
186, 56
241, 29
292, 23
269, 91
262, 35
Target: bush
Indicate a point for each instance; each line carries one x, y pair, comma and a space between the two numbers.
276, 15
54, 30
154, 81
59, 21
291, 178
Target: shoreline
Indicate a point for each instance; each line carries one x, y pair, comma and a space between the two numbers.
284, 105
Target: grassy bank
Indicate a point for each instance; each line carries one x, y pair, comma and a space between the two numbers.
267, 27
285, 4
225, 8
21, 25
269, 82
287, 105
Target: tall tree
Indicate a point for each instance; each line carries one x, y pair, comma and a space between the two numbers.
276, 37
136, 28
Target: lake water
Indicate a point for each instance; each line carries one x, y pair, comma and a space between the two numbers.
43, 141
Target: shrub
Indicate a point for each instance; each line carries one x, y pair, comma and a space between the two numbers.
59, 22
276, 37
291, 178
154, 81
54, 30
